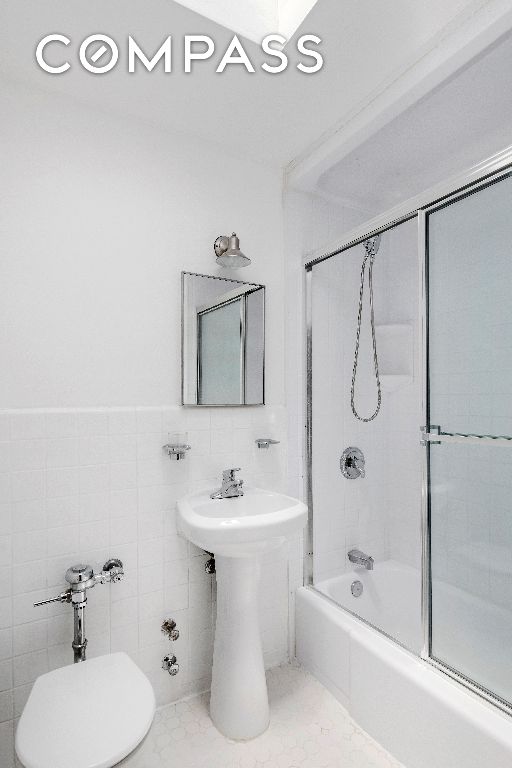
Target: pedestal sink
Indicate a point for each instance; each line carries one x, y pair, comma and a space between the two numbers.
238, 530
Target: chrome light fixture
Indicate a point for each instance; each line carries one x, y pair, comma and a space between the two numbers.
228, 253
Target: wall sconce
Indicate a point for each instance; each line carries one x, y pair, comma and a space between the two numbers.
228, 253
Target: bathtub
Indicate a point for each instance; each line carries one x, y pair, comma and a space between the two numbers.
390, 600
424, 718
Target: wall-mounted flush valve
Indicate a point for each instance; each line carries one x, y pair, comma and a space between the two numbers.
81, 578
170, 665
352, 463
169, 629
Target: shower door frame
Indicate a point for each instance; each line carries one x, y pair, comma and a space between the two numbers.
478, 177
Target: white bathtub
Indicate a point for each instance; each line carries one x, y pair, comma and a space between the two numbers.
421, 716
390, 600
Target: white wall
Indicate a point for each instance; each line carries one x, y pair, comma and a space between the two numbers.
99, 218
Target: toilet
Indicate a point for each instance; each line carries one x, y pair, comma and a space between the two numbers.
86, 715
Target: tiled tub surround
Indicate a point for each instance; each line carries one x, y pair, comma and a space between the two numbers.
84, 485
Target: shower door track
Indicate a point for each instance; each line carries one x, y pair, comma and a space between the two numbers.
484, 174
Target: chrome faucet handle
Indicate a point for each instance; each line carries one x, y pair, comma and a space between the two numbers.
64, 597
229, 474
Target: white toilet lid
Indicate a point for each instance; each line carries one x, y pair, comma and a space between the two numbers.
86, 715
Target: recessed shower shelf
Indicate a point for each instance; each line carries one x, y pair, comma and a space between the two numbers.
395, 351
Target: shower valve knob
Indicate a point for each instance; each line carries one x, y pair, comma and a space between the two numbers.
352, 463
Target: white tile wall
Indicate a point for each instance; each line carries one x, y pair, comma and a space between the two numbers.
84, 485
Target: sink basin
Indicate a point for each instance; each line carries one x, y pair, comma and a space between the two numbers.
237, 531
241, 526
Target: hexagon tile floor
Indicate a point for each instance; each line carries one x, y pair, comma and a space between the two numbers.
308, 729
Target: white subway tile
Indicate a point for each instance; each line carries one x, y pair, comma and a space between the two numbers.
150, 577
28, 546
94, 506
5, 675
5, 488
5, 519
176, 573
122, 422
62, 540
93, 449
123, 475
5, 643
6, 706
28, 638
61, 452
63, 510
151, 526
61, 424
94, 478
123, 503
151, 552
7, 745
27, 426
5, 429
122, 448
151, 605
28, 667
92, 534
29, 515
61, 481
149, 420
5, 613
123, 530
5, 458
176, 598
93, 423
27, 485
21, 695
28, 577
27, 454
5, 580
6, 550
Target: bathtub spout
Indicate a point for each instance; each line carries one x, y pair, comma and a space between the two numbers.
359, 558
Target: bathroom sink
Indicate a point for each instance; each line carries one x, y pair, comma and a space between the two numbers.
240, 526
238, 530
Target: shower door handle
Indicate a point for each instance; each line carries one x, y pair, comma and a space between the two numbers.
428, 433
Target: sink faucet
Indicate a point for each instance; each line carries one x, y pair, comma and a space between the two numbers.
359, 558
231, 487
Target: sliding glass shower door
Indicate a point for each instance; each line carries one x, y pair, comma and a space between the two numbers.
469, 436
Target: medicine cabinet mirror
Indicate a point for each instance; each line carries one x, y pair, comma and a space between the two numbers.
223, 341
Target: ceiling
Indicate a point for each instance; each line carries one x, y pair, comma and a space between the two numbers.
460, 123
271, 118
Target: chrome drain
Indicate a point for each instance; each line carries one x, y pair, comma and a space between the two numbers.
356, 588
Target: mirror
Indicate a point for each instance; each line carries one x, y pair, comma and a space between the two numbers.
223, 341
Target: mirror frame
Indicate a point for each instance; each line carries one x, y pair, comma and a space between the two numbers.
257, 286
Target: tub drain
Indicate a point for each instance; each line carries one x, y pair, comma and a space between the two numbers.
356, 588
